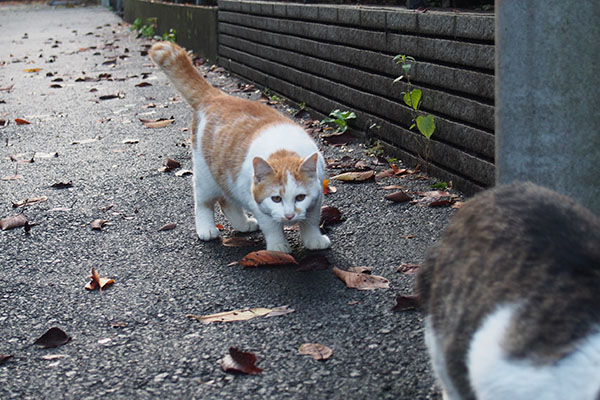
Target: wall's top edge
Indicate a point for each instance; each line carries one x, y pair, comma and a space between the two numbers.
479, 26
165, 3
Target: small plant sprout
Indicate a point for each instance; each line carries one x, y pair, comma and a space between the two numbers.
425, 123
339, 119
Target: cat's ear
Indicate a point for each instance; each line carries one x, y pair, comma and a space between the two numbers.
261, 169
309, 165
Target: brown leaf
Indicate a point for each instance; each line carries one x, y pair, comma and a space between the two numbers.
238, 241
313, 262
32, 69
361, 165
21, 121
158, 123
167, 227
13, 221
361, 281
118, 95
457, 205
398, 197
3, 123
143, 84
7, 89
384, 174
244, 314
98, 282
408, 268
436, 198
98, 224
393, 187
355, 176
328, 189
267, 257
336, 139
318, 351
56, 86
62, 185
330, 215
240, 361
29, 201
406, 302
12, 177
85, 141
130, 141
4, 357
54, 337
172, 164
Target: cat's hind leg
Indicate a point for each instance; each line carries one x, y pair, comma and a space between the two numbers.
238, 218
310, 231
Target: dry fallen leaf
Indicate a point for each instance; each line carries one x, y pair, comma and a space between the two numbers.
21, 121
183, 172
406, 302
50, 357
408, 268
98, 224
143, 84
29, 201
398, 197
328, 189
238, 241
12, 177
354, 176
167, 227
32, 69
435, 198
85, 141
130, 141
54, 337
267, 257
158, 123
318, 351
62, 185
337, 139
242, 314
330, 215
13, 221
240, 361
4, 357
361, 281
170, 164
98, 282
3, 123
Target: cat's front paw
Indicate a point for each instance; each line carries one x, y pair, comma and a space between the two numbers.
279, 246
317, 242
164, 53
207, 234
249, 226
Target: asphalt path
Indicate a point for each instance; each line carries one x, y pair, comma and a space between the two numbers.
134, 340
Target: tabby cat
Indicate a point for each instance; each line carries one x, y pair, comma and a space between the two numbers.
247, 157
512, 298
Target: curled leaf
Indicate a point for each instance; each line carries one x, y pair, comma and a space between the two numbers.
97, 281
158, 123
240, 361
21, 121
330, 215
4, 357
398, 197
29, 201
357, 176
361, 281
54, 337
242, 314
184, 172
408, 268
238, 241
98, 224
267, 257
318, 351
13, 221
167, 227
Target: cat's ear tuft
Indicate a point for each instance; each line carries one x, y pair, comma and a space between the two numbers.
309, 165
261, 169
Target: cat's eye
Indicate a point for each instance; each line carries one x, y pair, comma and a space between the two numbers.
300, 197
276, 199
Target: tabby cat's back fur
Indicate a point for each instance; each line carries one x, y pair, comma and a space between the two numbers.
248, 157
512, 297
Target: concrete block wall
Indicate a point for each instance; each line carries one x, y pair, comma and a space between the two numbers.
334, 56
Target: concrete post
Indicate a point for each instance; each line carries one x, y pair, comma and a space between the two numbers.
548, 96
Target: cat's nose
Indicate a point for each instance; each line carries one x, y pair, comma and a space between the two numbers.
290, 216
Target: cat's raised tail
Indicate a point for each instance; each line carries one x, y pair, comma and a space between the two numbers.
178, 67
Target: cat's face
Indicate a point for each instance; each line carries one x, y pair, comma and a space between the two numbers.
286, 186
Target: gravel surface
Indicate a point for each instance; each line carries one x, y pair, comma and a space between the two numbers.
133, 340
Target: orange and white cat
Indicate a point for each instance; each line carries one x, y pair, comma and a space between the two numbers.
248, 157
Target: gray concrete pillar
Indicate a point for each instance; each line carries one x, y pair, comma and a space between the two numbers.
548, 95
